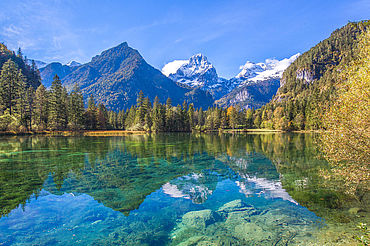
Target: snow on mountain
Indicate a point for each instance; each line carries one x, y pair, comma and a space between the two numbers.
39, 64
172, 67
73, 64
197, 72
270, 69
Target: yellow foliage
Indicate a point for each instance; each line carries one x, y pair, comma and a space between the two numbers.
347, 143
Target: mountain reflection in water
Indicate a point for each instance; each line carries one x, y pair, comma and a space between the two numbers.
163, 189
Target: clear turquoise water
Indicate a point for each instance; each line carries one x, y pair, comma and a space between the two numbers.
165, 189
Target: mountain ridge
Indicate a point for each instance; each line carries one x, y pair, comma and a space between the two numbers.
253, 86
116, 76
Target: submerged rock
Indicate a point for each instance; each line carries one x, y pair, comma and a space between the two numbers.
354, 210
232, 206
198, 241
237, 208
252, 233
199, 219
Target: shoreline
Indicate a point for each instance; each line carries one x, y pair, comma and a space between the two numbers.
127, 132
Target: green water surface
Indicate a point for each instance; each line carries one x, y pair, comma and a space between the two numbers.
172, 189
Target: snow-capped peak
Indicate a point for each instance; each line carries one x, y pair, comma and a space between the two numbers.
195, 72
73, 64
270, 69
196, 64
172, 67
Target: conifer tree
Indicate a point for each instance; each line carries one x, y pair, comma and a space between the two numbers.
28, 108
11, 86
91, 114
141, 110
191, 116
76, 109
200, 117
121, 120
57, 109
157, 116
169, 115
102, 117
248, 118
41, 108
130, 119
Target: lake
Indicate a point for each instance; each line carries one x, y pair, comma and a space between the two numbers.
172, 189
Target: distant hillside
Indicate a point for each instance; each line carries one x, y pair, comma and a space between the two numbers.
309, 84
116, 76
55, 68
252, 95
31, 73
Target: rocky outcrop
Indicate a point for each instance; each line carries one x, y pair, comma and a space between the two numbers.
238, 223
307, 75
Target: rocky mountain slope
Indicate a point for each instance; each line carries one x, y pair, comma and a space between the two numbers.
257, 83
253, 86
55, 68
198, 72
117, 75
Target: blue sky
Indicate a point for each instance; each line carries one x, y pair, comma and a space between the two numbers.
228, 32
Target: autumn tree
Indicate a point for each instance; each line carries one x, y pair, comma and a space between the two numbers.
346, 144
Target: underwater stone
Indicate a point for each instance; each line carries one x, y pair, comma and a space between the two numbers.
237, 206
198, 241
252, 233
199, 219
354, 210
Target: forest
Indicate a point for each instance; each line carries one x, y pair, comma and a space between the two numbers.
309, 88
25, 109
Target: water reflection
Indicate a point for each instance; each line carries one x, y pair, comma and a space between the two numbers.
149, 190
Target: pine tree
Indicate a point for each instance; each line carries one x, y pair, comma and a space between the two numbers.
130, 119
223, 123
76, 109
248, 118
121, 120
185, 117
57, 107
65, 105
28, 108
200, 117
157, 116
169, 115
11, 86
41, 108
102, 117
140, 112
233, 117
191, 116
19, 53
91, 114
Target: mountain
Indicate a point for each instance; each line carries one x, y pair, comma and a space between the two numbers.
117, 75
32, 75
73, 64
198, 72
55, 68
253, 86
251, 95
39, 64
256, 83
309, 85
269, 70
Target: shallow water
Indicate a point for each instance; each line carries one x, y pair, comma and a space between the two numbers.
170, 189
